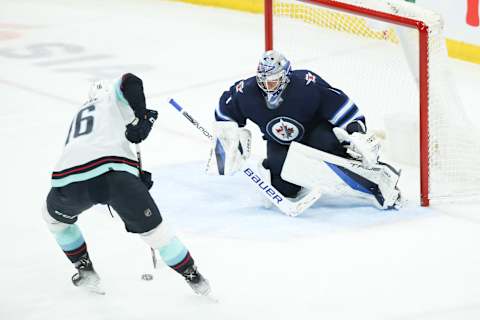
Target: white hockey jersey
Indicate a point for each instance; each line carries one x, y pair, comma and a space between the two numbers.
96, 140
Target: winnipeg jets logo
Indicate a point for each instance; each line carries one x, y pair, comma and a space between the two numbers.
310, 78
239, 87
285, 130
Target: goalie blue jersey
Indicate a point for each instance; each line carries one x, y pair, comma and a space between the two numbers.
306, 101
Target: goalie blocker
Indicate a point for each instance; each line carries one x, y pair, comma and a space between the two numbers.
229, 154
231, 148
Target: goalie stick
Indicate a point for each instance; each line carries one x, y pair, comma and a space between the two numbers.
249, 172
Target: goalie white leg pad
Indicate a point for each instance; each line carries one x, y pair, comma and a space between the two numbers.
309, 167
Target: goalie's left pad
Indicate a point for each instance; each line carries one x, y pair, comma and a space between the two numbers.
311, 168
230, 148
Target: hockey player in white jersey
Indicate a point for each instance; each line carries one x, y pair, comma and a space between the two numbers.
98, 167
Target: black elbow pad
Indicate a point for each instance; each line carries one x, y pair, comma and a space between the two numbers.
132, 89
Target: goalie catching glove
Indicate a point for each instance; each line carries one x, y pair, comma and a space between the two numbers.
361, 146
230, 148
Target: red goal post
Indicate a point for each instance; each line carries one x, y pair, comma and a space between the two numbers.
429, 26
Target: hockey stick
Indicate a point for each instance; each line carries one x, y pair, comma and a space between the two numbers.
249, 171
139, 157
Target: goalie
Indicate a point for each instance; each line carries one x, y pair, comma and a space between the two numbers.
312, 130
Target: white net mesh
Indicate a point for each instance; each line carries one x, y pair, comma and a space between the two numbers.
376, 64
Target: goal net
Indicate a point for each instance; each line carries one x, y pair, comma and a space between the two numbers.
390, 57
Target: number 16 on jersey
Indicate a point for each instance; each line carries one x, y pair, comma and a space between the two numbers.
82, 124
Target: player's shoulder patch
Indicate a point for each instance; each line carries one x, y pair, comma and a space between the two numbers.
244, 86
239, 86
310, 78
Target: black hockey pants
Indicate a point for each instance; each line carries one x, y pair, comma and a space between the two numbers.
124, 192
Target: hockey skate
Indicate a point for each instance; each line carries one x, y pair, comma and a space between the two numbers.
196, 281
400, 202
392, 196
387, 200
86, 277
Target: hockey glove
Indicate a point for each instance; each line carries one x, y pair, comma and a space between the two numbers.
138, 132
146, 178
361, 146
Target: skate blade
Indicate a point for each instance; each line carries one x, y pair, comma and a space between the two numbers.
209, 297
95, 289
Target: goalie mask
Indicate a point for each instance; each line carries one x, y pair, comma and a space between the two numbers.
272, 76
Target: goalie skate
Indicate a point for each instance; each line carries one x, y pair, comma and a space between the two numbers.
400, 202
392, 197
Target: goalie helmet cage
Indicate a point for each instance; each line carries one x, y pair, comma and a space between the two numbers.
446, 172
